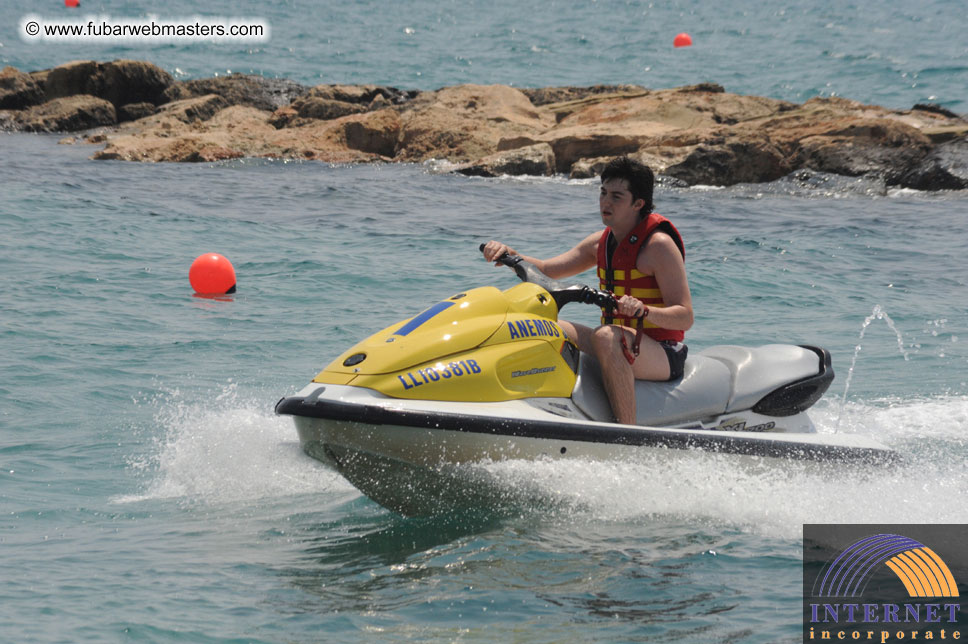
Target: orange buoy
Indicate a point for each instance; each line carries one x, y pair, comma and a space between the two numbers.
682, 40
72, 3
212, 274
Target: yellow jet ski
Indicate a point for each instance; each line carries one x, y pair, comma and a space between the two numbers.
488, 375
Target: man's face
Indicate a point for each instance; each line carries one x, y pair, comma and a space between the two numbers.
616, 205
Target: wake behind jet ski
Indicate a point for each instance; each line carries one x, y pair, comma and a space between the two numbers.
488, 375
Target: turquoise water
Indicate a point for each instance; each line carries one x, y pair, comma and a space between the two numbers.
148, 493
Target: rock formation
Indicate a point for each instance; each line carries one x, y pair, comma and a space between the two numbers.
699, 134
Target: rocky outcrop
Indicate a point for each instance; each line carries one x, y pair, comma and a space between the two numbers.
189, 110
119, 82
944, 168
667, 126
68, 114
375, 133
81, 94
238, 130
240, 89
741, 160
467, 122
18, 90
135, 111
699, 134
312, 107
8, 121
536, 160
362, 94
560, 95
845, 137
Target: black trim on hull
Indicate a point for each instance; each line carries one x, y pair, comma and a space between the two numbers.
588, 433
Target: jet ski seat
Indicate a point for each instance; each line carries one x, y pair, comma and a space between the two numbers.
757, 371
719, 380
702, 392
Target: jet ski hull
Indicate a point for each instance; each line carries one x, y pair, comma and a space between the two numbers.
406, 455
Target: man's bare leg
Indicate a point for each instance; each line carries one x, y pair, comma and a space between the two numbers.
579, 334
618, 375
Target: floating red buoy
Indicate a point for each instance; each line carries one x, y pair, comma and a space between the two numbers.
72, 3
682, 40
212, 274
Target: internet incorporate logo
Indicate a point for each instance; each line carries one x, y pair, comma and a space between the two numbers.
919, 568
909, 591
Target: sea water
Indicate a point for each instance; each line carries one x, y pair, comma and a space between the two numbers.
149, 494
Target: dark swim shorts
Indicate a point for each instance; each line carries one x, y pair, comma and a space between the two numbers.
676, 352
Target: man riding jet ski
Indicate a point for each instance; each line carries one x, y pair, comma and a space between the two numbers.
489, 375
640, 257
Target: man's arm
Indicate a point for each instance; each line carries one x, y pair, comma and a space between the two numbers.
571, 262
661, 257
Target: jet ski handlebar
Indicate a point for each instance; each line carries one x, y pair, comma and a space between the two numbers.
562, 293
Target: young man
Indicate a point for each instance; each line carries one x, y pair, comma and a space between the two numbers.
640, 258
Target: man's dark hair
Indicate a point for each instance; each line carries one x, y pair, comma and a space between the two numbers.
639, 177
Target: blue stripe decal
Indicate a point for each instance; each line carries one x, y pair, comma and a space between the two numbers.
423, 317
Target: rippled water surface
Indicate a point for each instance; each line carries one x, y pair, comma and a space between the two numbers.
148, 493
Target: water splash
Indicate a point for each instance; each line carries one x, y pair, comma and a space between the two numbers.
228, 447
878, 313
769, 499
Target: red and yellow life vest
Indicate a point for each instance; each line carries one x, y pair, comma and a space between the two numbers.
619, 275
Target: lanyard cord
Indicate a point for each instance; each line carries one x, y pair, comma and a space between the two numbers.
632, 354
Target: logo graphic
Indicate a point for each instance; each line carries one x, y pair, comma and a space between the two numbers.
738, 424
884, 583
919, 568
